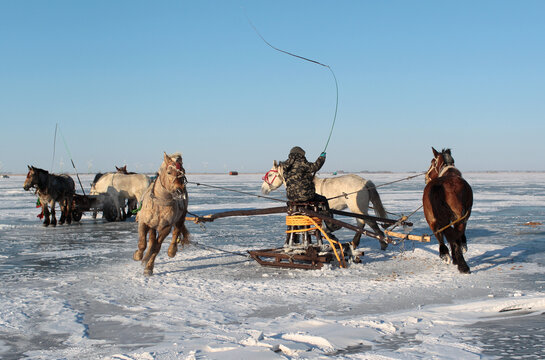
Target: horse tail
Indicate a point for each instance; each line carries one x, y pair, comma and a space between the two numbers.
374, 197
440, 208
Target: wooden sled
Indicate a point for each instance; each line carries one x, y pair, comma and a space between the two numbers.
309, 259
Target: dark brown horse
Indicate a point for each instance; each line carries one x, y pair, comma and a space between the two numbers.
51, 189
447, 200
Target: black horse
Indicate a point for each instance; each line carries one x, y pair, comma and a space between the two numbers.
50, 189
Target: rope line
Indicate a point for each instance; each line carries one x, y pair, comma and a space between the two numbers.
451, 224
237, 191
377, 186
309, 60
283, 200
206, 247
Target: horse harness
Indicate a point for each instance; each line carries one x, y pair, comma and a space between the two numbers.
441, 172
173, 200
266, 176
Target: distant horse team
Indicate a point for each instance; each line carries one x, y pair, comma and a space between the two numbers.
52, 189
447, 202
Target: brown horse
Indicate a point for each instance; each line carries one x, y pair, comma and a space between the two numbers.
50, 189
447, 200
164, 205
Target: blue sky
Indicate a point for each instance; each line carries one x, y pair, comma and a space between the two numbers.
127, 80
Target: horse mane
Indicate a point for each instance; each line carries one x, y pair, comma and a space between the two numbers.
175, 156
97, 176
38, 170
447, 157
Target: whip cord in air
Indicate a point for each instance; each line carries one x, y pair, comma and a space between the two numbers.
312, 61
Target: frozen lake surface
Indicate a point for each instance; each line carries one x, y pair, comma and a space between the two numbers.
74, 291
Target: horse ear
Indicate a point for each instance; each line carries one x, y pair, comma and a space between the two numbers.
435, 152
29, 168
275, 164
165, 158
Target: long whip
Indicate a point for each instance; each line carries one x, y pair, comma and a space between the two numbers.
312, 61
71, 160
54, 147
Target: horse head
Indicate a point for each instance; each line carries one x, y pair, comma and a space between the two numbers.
273, 179
122, 170
32, 177
172, 174
439, 161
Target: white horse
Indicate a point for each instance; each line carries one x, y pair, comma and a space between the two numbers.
344, 191
121, 187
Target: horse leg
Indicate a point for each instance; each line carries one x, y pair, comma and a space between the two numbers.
143, 230
123, 213
357, 236
119, 216
463, 240
45, 210
151, 241
69, 202
376, 229
53, 218
360, 205
443, 249
179, 227
154, 250
62, 206
454, 237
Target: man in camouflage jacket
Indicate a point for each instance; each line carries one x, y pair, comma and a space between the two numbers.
299, 175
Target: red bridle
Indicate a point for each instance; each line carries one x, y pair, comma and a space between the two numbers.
266, 177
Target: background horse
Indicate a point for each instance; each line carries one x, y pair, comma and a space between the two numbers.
447, 201
132, 203
121, 187
164, 206
50, 189
359, 192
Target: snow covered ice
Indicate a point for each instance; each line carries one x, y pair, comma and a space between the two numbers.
74, 291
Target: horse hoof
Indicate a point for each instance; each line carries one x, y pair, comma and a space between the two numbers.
172, 253
446, 258
464, 269
137, 256
383, 245
148, 272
